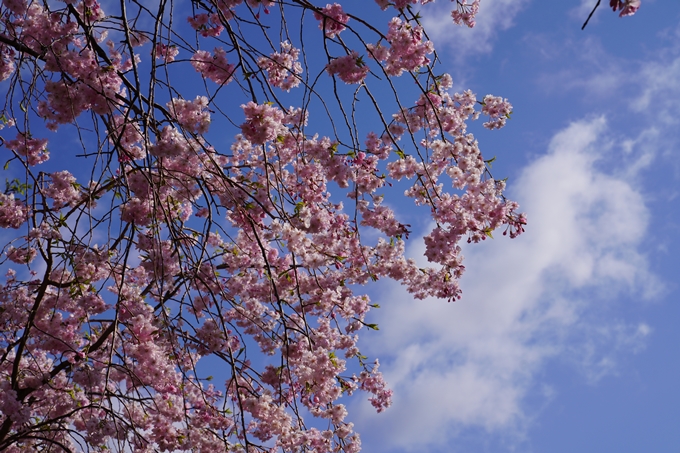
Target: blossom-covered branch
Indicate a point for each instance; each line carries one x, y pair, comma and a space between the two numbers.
184, 250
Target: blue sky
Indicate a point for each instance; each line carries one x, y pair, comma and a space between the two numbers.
566, 338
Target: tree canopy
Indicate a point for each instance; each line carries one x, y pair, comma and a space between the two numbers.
184, 250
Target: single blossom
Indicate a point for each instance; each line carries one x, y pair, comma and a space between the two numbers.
626, 7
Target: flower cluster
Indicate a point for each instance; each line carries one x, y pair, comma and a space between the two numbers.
188, 247
127, 137
350, 68
63, 189
263, 123
332, 19
283, 68
6, 62
33, 149
22, 255
206, 25
627, 7
165, 52
213, 66
498, 109
465, 12
193, 116
408, 50
13, 213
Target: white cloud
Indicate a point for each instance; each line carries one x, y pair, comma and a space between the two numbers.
590, 69
660, 82
473, 363
588, 357
494, 16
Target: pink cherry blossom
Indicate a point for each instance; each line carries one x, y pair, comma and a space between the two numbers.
332, 19
627, 7
63, 189
206, 25
350, 68
13, 213
283, 67
33, 149
172, 236
23, 255
167, 53
408, 50
6, 62
191, 115
213, 66
465, 12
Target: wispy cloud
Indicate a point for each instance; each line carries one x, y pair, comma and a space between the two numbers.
526, 301
494, 16
582, 66
660, 82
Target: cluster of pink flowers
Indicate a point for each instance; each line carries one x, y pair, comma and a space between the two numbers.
437, 114
95, 88
6, 62
165, 52
22, 255
206, 25
263, 123
127, 137
170, 143
13, 213
193, 116
138, 211
33, 149
465, 12
332, 19
373, 382
236, 252
214, 67
283, 68
63, 190
408, 50
350, 68
627, 7
498, 110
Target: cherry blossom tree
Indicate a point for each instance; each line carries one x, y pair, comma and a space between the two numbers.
186, 253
